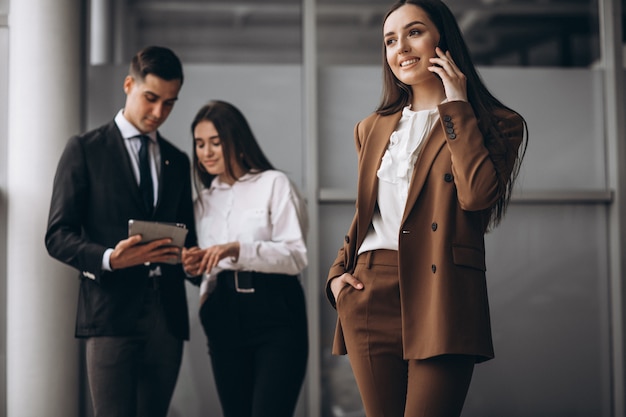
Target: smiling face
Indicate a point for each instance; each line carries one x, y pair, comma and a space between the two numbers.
149, 101
210, 152
410, 38
209, 148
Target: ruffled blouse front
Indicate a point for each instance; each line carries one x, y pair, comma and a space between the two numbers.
401, 154
395, 173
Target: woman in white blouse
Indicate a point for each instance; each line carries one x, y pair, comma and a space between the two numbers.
251, 224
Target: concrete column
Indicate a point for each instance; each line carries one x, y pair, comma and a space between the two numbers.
611, 42
45, 82
101, 32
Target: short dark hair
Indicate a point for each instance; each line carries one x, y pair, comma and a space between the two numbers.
156, 60
236, 137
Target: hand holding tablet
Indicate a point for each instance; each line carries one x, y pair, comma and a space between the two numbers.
151, 231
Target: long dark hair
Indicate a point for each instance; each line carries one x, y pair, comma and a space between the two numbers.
396, 95
236, 139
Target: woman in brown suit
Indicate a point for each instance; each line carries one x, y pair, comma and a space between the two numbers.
437, 162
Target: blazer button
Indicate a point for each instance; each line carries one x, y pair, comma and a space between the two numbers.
433, 226
449, 129
347, 239
434, 268
449, 124
447, 177
452, 136
447, 118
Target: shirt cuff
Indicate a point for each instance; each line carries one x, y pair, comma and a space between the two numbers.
246, 253
106, 264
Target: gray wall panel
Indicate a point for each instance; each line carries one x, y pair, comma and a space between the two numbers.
547, 279
4, 93
270, 98
547, 262
563, 108
548, 297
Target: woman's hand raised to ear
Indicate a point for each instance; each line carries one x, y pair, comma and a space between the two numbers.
454, 81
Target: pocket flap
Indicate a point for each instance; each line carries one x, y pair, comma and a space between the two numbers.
469, 256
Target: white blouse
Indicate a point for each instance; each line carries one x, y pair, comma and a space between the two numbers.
265, 213
394, 175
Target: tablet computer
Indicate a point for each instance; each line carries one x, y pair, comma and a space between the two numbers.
150, 231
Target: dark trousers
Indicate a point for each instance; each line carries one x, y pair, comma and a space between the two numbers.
258, 344
391, 386
135, 376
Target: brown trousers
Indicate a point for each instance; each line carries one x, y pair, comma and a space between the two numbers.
391, 386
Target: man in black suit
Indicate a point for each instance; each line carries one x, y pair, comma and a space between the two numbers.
132, 307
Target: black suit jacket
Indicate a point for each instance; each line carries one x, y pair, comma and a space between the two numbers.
95, 193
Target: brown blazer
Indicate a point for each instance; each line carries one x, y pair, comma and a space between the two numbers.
441, 241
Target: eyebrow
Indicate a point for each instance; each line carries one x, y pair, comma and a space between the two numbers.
408, 25
152, 93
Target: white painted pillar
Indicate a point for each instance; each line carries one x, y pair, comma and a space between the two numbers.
45, 82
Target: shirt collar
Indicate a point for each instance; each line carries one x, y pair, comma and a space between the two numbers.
407, 111
128, 130
247, 177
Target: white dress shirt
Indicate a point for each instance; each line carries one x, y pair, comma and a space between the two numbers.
394, 177
264, 213
133, 143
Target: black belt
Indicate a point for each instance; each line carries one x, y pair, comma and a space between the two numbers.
246, 282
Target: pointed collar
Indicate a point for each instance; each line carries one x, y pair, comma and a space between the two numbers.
217, 183
128, 130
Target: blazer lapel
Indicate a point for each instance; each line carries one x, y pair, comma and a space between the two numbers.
435, 141
126, 168
374, 146
163, 169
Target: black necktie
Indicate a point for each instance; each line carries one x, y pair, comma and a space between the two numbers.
145, 177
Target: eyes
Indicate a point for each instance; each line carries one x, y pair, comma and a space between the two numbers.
411, 33
153, 98
213, 142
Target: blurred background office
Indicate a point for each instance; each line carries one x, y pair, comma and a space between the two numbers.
304, 72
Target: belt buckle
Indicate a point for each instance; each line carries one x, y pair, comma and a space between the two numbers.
241, 290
